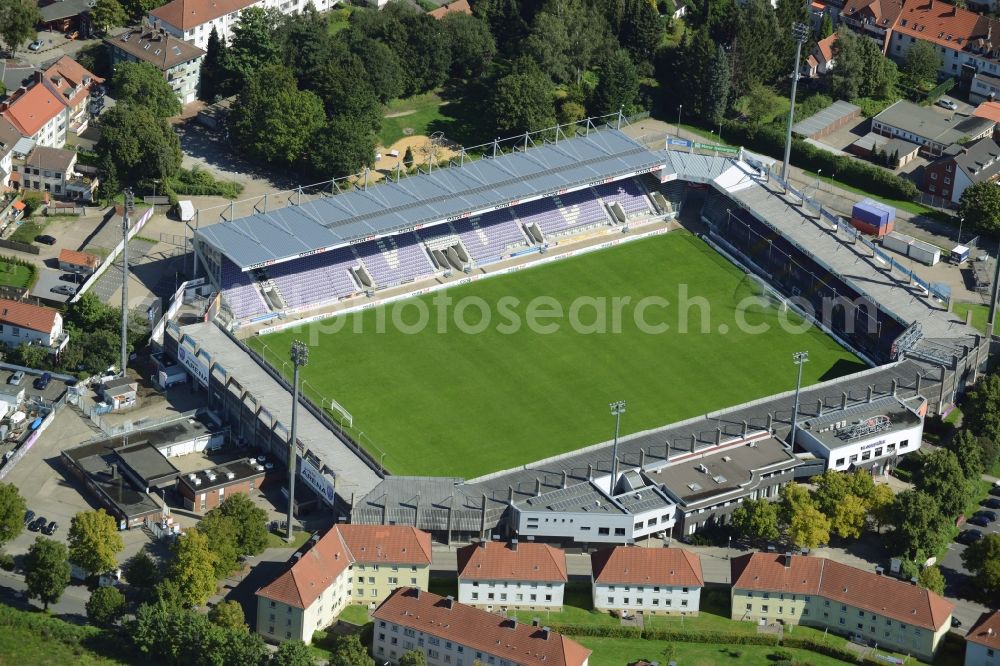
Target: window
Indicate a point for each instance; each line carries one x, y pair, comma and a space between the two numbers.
947, 181
603, 531
904, 443
841, 621
933, 176
866, 455
878, 452
853, 459
611, 600
840, 461
749, 606
619, 531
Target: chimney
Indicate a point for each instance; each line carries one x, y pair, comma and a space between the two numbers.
879, 571
38, 76
913, 581
510, 623
449, 601
535, 622
564, 479
482, 544
788, 559
545, 633
513, 545
510, 494
416, 592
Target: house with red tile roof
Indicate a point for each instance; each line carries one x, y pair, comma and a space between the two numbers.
495, 575
449, 632
982, 643
456, 7
872, 18
820, 61
24, 323
647, 581
359, 564
815, 591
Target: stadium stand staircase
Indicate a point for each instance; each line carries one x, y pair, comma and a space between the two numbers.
668, 197
627, 194
272, 296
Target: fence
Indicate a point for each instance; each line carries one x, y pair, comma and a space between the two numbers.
176, 301
28, 443
95, 276
20, 247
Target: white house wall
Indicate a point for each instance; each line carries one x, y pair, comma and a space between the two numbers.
510, 594
647, 598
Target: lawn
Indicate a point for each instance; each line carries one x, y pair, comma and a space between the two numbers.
577, 609
38, 639
278, 540
980, 314
354, 614
26, 231
486, 384
420, 112
618, 651
15, 275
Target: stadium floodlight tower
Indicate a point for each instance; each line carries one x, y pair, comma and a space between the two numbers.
799, 359
300, 356
128, 208
617, 409
799, 33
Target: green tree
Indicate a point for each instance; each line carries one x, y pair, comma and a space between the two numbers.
349, 651
18, 19
229, 614
980, 206
880, 503
826, 26
250, 520
221, 535
617, 85
805, 524
168, 593
305, 42
919, 525
923, 61
758, 104
105, 606
136, 146
12, 509
718, 82
930, 578
983, 560
942, 478
505, 21
969, 452
754, 57
255, 44
849, 517
382, 69
141, 571
566, 39
413, 658
523, 102
346, 92
142, 84
641, 29
471, 42
757, 519
193, 568
108, 14
214, 77
179, 637
845, 80
296, 653
46, 570
408, 159
94, 541
341, 148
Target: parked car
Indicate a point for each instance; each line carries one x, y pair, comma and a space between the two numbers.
38, 524
29, 516
988, 515
63, 289
35, 45
995, 491
969, 536
51, 528
948, 104
16, 378
992, 503
41, 383
75, 278
46, 239
981, 521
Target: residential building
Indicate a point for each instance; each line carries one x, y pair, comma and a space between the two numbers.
963, 166
933, 131
205, 490
821, 60
38, 114
73, 261
647, 581
193, 20
10, 136
984, 87
73, 83
453, 634
872, 18
800, 589
982, 643
23, 323
457, 6
348, 564
51, 170
988, 110
591, 512
517, 576
179, 61
871, 436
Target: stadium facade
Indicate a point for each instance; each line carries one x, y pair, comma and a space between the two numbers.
341, 252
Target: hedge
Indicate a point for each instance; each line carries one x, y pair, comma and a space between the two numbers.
939, 90
770, 140
676, 635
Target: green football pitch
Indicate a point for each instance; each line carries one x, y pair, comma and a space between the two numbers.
440, 391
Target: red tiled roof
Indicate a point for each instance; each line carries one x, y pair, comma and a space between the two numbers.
986, 631
342, 546
832, 580
632, 565
883, 13
25, 315
397, 544
78, 258
479, 630
29, 112
941, 23
71, 80
459, 6
493, 560
187, 14
988, 110
825, 47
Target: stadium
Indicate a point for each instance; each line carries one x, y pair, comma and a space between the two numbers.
442, 430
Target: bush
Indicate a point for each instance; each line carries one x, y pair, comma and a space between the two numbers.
198, 182
939, 90
6, 561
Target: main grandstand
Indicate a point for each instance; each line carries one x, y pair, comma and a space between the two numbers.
350, 250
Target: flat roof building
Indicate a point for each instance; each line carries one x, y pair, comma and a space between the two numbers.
932, 130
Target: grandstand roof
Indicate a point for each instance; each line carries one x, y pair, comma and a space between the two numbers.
333, 221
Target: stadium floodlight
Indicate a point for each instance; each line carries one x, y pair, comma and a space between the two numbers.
679, 107
961, 221
299, 355
617, 409
799, 32
799, 359
126, 211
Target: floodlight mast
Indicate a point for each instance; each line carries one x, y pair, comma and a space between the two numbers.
799, 359
128, 208
799, 32
617, 409
299, 355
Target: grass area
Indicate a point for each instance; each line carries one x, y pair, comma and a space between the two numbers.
354, 614
278, 540
902, 204
713, 615
578, 608
980, 314
40, 640
709, 136
499, 373
26, 231
618, 651
15, 275
672, 36
421, 111
954, 416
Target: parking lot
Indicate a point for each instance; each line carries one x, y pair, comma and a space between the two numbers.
955, 573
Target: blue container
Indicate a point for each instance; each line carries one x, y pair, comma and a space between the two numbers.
873, 213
